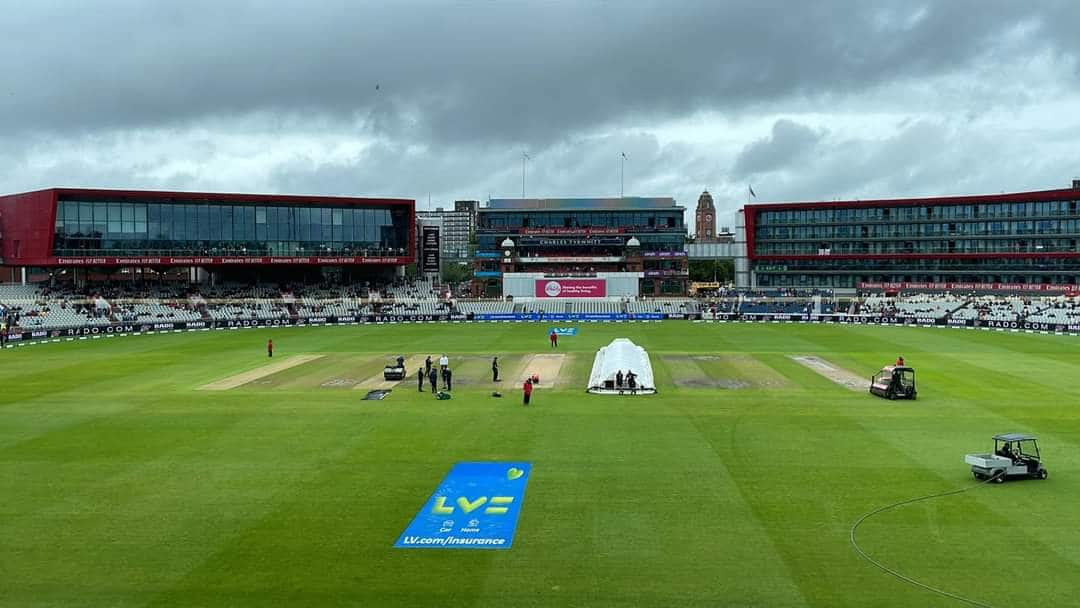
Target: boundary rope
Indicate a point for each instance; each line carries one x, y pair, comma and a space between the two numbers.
907, 579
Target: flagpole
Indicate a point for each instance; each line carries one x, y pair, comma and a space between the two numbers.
524, 157
622, 175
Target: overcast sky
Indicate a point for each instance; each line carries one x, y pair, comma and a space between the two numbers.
803, 100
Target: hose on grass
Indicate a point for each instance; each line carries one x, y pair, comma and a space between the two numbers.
907, 579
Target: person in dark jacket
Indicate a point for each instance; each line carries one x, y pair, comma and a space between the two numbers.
618, 379
427, 364
495, 369
420, 380
433, 378
448, 379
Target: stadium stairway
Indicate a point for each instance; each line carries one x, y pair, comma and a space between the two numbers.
965, 304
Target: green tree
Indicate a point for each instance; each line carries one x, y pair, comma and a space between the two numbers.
703, 271
456, 272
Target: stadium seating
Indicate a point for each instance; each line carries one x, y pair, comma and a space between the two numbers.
484, 306
39, 307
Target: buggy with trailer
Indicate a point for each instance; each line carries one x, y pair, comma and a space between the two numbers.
1014, 455
894, 382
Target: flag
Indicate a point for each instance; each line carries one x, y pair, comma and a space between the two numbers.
623, 155
752, 191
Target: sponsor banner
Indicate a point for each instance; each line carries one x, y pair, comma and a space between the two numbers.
1016, 325
559, 316
563, 331
1028, 287
255, 323
476, 506
570, 259
583, 316
579, 241
125, 328
667, 273
40, 334
572, 231
506, 316
857, 320
663, 254
571, 288
218, 260
647, 316
404, 318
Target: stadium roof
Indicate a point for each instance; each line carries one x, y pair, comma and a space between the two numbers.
1007, 197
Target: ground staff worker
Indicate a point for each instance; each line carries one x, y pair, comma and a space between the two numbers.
527, 389
495, 369
433, 378
420, 380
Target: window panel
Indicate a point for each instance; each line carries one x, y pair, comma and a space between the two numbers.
227, 223
191, 221
215, 222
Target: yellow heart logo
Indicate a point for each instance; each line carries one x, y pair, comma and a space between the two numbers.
514, 473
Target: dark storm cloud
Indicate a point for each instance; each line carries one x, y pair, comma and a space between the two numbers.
788, 141
928, 157
806, 100
481, 71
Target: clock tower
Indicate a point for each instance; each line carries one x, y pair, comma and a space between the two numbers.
705, 219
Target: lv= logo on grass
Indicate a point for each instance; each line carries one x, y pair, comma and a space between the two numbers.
468, 506
475, 507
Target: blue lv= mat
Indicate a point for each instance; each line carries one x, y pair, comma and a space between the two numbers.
475, 507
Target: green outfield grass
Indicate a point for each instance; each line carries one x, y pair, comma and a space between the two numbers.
122, 484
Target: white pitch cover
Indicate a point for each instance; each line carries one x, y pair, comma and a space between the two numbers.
621, 354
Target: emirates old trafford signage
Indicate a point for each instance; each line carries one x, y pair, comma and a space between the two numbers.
219, 260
